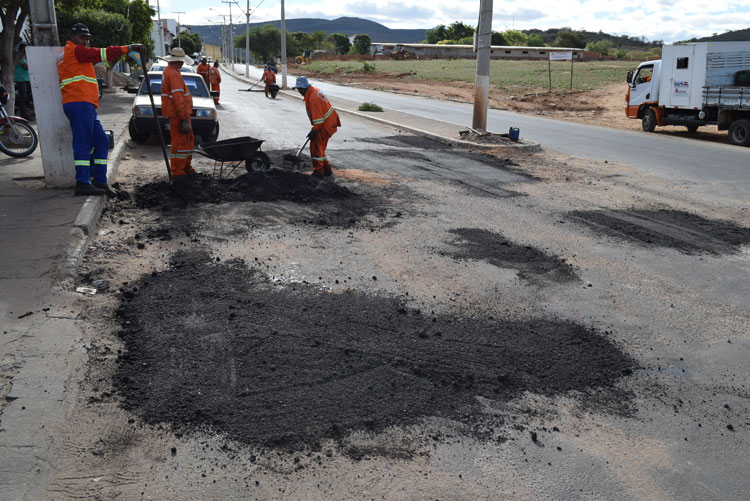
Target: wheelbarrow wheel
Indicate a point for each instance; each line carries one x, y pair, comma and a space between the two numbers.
259, 163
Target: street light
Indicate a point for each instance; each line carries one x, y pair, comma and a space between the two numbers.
231, 31
247, 36
223, 35
179, 38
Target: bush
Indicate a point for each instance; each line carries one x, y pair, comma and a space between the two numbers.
602, 46
362, 44
367, 66
535, 40
621, 54
369, 107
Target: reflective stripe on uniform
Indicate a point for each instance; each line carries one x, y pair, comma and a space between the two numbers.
178, 155
167, 95
82, 162
78, 78
322, 159
178, 90
100, 161
185, 151
321, 120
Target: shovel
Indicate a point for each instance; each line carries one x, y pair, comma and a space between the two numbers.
294, 160
251, 88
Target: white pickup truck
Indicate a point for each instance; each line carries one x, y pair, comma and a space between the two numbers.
694, 84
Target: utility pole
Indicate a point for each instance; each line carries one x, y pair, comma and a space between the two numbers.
231, 31
247, 39
283, 47
179, 38
482, 81
43, 23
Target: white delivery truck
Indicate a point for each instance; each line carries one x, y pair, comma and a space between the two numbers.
694, 84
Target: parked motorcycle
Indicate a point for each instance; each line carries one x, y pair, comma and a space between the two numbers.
17, 137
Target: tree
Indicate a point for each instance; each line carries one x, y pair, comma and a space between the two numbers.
535, 40
515, 37
498, 39
319, 38
362, 43
106, 29
191, 42
601, 46
137, 12
572, 39
265, 42
341, 42
459, 30
13, 13
435, 34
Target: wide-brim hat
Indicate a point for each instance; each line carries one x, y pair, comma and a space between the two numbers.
301, 83
177, 54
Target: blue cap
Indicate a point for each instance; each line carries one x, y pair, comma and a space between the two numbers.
301, 83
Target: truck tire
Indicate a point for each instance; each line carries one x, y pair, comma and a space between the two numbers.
648, 122
138, 137
692, 128
739, 133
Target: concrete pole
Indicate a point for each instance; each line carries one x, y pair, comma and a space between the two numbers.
283, 47
247, 40
231, 32
43, 23
482, 82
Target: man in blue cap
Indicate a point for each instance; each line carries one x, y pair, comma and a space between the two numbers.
325, 122
80, 97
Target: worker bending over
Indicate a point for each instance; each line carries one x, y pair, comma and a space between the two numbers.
80, 98
203, 70
177, 106
324, 120
269, 77
214, 76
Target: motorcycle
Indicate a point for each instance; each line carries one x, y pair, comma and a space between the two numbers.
17, 137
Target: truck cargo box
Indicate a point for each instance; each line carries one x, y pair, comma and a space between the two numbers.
688, 68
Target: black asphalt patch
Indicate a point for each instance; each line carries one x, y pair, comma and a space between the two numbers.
273, 185
494, 248
685, 232
216, 346
408, 141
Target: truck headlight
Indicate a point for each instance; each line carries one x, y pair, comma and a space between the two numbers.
207, 113
143, 110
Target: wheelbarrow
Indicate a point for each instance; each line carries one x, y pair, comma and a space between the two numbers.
234, 152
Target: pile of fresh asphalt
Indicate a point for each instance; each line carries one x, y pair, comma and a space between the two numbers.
218, 347
272, 185
685, 232
531, 263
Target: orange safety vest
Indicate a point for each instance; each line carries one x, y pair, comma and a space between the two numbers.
214, 76
78, 79
202, 70
269, 77
176, 100
320, 111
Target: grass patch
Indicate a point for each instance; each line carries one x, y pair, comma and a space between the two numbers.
369, 107
512, 76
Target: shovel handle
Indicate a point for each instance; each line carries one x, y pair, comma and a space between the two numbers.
302, 147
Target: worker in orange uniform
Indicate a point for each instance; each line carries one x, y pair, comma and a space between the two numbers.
324, 120
269, 77
214, 76
80, 98
203, 69
177, 106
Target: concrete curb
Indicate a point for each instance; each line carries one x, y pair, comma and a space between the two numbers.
85, 223
522, 144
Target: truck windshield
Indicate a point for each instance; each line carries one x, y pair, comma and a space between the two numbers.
644, 75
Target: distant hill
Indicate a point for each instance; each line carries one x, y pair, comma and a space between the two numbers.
348, 25
729, 36
618, 42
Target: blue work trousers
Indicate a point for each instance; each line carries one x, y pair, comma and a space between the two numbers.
90, 142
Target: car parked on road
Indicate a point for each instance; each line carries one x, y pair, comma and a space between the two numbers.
160, 65
204, 118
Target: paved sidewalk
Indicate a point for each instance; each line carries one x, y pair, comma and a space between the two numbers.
41, 349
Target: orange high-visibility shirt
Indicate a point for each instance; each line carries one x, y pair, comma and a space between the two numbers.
320, 111
214, 76
269, 77
76, 70
202, 70
176, 100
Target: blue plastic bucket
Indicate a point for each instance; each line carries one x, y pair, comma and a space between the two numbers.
513, 133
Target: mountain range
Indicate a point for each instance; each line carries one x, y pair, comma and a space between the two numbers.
378, 33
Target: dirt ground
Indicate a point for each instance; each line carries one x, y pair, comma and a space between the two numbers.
395, 334
602, 107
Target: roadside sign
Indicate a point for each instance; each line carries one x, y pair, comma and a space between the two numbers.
562, 55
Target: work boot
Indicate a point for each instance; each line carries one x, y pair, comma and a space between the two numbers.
85, 189
328, 172
317, 175
107, 190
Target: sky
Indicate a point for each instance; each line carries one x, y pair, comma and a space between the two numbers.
667, 20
